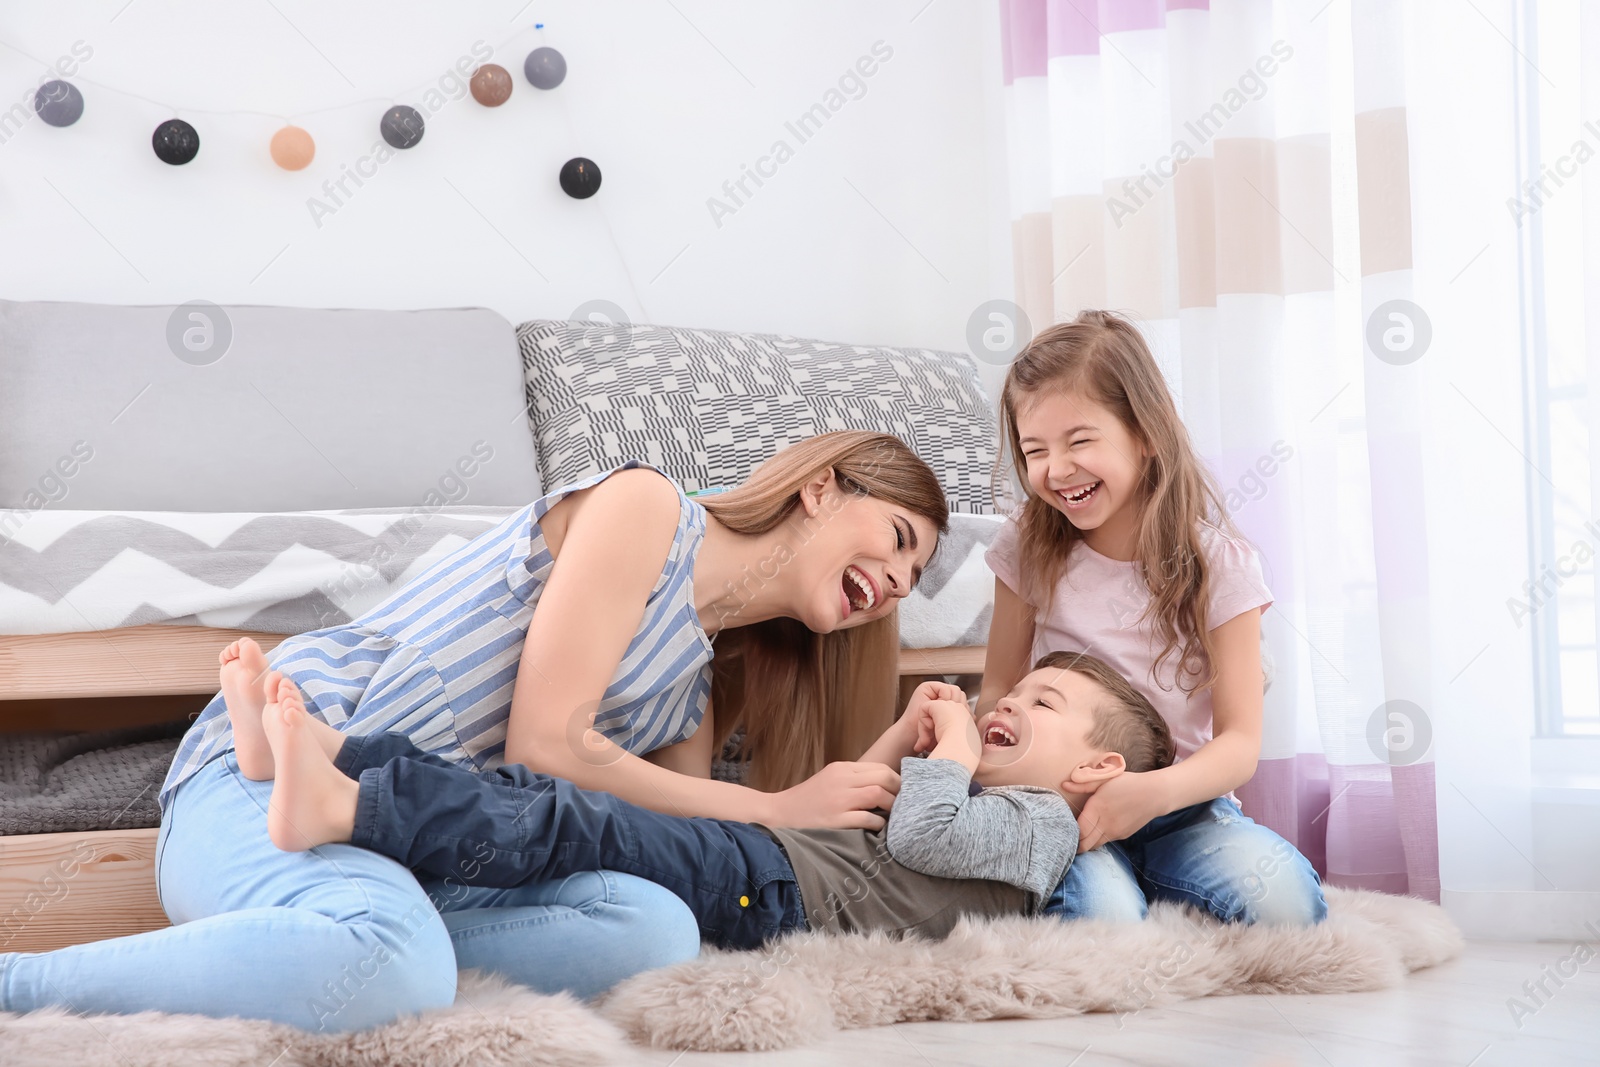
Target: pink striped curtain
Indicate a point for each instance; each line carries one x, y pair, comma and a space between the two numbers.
1177, 161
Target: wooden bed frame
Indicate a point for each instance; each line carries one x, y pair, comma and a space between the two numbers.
65, 889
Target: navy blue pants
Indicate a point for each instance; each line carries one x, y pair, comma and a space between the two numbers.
510, 826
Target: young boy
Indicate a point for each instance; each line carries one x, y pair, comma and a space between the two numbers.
980, 827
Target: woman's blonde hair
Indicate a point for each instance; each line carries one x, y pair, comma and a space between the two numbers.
1102, 356
806, 699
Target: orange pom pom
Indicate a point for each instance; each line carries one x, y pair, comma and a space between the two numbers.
292, 148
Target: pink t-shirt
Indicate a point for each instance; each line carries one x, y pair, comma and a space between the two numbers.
1096, 609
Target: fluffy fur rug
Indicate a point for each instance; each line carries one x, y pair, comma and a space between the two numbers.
801, 989
492, 1024
807, 986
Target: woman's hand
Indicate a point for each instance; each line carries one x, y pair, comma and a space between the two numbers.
838, 797
1119, 807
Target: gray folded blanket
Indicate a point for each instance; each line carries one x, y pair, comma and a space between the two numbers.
106, 780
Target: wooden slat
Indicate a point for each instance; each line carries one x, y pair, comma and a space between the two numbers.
961, 660
65, 889
150, 660
136, 661
84, 714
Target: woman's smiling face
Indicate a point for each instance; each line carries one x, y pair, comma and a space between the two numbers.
854, 557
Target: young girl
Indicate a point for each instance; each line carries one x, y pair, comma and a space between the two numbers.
1123, 548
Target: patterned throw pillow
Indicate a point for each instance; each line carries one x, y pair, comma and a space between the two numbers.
707, 406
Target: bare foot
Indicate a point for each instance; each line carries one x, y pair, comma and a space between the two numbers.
312, 803
245, 688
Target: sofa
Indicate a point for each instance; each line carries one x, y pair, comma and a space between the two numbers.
173, 477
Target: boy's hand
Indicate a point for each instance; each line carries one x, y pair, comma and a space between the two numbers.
926, 737
918, 715
949, 716
956, 732
928, 692
913, 731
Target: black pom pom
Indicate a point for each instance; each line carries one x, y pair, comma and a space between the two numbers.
580, 178
175, 142
401, 126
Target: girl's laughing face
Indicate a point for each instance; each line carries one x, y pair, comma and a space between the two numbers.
1082, 460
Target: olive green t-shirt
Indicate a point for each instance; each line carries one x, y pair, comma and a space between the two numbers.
849, 884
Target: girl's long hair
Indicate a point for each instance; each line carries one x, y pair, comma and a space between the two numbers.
1102, 356
806, 699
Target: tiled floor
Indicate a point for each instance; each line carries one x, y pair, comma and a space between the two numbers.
1453, 1016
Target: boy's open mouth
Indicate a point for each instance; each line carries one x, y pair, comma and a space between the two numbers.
859, 589
998, 735
1078, 497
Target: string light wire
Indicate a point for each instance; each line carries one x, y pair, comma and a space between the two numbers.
288, 118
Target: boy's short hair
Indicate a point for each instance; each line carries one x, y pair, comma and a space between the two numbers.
1127, 723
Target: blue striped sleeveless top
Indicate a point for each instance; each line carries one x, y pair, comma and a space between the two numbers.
437, 661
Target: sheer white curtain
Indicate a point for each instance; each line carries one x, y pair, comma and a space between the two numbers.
1363, 238
1298, 203
1504, 124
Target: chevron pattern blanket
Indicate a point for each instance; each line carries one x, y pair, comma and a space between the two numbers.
65, 571
289, 572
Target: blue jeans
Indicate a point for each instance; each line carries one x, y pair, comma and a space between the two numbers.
338, 938
1210, 856
511, 826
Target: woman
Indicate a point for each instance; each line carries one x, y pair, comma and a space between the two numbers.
577, 638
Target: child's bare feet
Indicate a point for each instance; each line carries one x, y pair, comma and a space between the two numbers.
312, 802
245, 688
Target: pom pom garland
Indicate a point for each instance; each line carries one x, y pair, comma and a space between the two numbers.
60, 103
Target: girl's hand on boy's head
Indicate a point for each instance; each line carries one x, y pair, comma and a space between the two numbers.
1118, 807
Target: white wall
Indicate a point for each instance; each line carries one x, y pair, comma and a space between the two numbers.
670, 99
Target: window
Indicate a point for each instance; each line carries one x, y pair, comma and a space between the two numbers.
1561, 405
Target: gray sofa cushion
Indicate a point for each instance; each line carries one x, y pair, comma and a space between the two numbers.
106, 407
954, 602
707, 406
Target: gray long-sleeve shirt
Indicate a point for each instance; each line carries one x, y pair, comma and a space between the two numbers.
1019, 834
